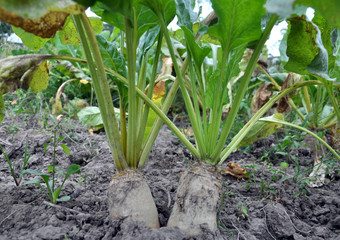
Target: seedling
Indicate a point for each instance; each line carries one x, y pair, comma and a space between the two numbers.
17, 177
243, 209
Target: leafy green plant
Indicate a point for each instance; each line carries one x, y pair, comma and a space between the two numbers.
50, 179
17, 176
50, 191
234, 26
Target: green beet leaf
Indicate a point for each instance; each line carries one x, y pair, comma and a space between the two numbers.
185, 13
147, 40
329, 9
301, 47
30, 40
68, 36
198, 53
146, 19
239, 22
91, 117
166, 8
327, 36
305, 47
261, 129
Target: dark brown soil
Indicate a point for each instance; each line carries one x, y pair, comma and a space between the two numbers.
25, 211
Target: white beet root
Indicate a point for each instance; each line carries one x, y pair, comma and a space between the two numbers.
129, 196
196, 200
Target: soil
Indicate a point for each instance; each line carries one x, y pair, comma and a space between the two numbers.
288, 210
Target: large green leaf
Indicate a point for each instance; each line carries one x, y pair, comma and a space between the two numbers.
91, 117
262, 129
198, 53
306, 50
146, 19
167, 8
106, 15
301, 47
239, 22
185, 13
30, 40
147, 40
68, 36
326, 37
329, 9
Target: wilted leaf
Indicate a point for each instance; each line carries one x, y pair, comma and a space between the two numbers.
23, 72
157, 97
37, 8
57, 107
189, 132
158, 91
261, 129
74, 106
40, 17
235, 170
261, 97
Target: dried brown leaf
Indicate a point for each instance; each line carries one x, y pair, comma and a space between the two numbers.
261, 97
235, 170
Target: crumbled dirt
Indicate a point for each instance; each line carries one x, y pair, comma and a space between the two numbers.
247, 210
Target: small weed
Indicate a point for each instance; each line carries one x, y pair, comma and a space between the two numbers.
17, 176
84, 179
243, 209
51, 191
